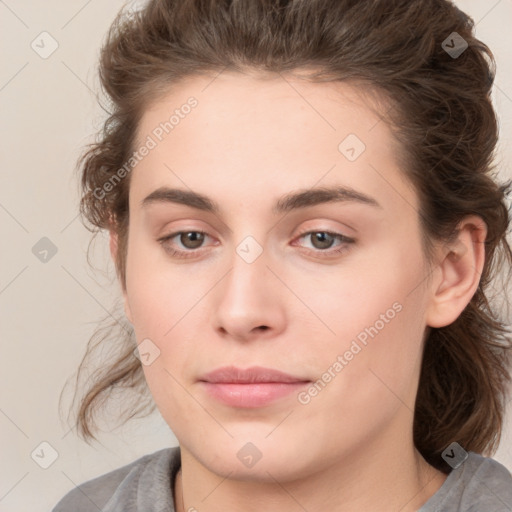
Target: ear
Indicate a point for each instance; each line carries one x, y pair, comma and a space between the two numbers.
458, 273
113, 253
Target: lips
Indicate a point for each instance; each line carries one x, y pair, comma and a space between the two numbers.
253, 387
252, 375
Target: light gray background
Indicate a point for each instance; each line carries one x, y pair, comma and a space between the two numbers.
49, 310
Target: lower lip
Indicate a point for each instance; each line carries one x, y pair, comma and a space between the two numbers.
251, 395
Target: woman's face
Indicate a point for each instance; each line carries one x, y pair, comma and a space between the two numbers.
328, 288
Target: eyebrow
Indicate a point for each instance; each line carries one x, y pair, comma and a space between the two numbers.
291, 201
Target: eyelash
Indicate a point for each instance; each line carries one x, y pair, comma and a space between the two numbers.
193, 252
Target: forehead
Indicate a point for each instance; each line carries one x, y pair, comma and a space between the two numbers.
261, 106
251, 132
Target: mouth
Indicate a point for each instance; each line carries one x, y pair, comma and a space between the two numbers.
252, 387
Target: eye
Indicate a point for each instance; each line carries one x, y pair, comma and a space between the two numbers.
189, 240
323, 240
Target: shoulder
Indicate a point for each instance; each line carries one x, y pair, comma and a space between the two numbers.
121, 484
486, 466
488, 483
480, 483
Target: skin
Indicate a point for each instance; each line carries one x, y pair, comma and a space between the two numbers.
247, 143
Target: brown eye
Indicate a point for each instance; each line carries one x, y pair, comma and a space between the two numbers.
183, 244
325, 243
321, 239
191, 239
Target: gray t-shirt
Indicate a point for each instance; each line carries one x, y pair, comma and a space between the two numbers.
480, 484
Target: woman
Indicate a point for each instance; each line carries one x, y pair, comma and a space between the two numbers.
305, 227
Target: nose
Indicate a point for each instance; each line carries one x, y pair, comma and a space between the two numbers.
249, 301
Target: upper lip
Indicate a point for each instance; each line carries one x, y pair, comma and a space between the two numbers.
232, 374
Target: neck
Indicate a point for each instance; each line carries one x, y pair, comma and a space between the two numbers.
404, 483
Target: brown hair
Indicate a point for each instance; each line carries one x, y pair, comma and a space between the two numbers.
441, 113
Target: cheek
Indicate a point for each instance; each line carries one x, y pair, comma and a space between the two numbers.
382, 346
372, 314
167, 307
366, 291
157, 293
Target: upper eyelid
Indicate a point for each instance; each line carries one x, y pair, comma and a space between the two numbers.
329, 231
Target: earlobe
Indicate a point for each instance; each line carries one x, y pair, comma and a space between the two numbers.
460, 268
113, 245
113, 252
127, 310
